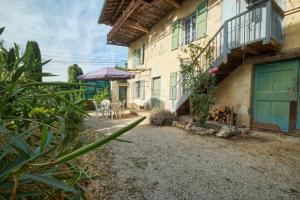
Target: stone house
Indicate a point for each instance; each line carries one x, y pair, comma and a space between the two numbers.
256, 54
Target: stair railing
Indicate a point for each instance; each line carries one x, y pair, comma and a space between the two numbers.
261, 22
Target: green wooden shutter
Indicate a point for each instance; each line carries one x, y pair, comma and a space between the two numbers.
175, 34
142, 54
142, 90
133, 90
173, 81
202, 19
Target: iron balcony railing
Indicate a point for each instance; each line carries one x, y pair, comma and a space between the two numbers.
261, 22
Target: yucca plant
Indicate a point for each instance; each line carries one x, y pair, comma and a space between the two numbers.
37, 142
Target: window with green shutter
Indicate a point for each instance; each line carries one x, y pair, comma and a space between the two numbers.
142, 90
202, 19
139, 90
173, 81
175, 34
132, 90
138, 56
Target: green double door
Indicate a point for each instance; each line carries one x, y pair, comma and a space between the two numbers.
276, 99
123, 94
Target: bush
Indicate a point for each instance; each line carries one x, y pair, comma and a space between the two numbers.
101, 95
162, 118
88, 105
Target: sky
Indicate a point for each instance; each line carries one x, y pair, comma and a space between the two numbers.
67, 32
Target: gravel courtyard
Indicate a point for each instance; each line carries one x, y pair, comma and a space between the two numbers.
168, 163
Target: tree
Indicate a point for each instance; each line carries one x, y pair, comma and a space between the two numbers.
73, 72
33, 61
120, 67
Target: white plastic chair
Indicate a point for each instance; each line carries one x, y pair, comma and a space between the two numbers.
123, 107
115, 109
105, 107
97, 108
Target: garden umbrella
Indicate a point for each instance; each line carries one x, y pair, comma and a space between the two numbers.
107, 73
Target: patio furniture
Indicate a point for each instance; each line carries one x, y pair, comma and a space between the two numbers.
115, 109
105, 106
99, 109
123, 108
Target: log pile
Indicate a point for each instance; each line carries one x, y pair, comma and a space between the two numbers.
222, 114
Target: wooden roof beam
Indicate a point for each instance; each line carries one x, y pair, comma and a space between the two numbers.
118, 9
137, 26
133, 6
173, 3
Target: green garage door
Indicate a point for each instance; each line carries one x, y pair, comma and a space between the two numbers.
275, 95
298, 105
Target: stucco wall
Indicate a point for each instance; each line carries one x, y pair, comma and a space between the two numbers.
158, 54
115, 90
291, 26
235, 90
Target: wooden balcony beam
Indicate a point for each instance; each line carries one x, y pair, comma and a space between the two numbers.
173, 3
137, 26
118, 9
133, 6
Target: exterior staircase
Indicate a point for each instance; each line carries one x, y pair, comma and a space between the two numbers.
254, 32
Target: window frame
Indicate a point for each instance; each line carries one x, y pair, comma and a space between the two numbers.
190, 27
139, 56
139, 89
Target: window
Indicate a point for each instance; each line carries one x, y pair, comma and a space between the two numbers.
202, 19
175, 34
138, 90
194, 27
138, 56
190, 29
173, 82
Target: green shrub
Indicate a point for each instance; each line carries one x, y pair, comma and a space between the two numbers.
101, 95
39, 129
162, 118
88, 105
201, 84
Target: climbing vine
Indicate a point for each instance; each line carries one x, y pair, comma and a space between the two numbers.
198, 80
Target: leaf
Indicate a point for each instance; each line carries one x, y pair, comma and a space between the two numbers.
16, 166
29, 195
62, 126
98, 143
7, 148
23, 148
70, 103
43, 74
44, 137
50, 181
18, 73
1, 30
3, 130
59, 84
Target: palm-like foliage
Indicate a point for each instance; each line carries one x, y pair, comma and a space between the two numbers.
37, 138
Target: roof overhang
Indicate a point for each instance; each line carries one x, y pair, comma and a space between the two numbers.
136, 19
111, 11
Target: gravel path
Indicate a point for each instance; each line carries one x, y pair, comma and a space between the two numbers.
167, 163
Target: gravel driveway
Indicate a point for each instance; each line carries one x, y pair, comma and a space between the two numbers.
168, 163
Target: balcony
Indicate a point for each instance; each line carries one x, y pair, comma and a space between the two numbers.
254, 32
138, 18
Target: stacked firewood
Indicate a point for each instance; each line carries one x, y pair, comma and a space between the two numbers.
222, 114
